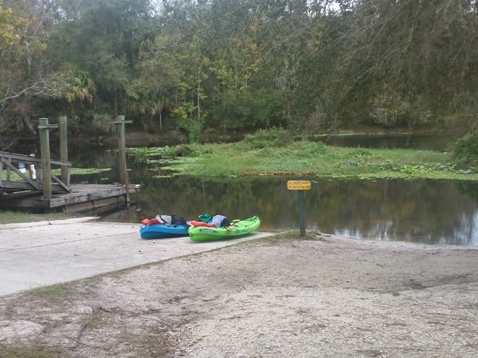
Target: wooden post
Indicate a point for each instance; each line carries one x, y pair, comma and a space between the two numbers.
123, 172
62, 122
45, 157
122, 152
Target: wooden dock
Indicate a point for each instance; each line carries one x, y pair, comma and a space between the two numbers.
27, 194
90, 198
38, 189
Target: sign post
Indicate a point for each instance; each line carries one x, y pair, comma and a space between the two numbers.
300, 186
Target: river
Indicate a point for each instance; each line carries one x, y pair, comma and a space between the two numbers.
422, 211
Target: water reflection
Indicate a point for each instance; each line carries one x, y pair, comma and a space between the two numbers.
421, 211
428, 141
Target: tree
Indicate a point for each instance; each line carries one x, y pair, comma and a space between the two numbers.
423, 50
158, 80
24, 73
101, 38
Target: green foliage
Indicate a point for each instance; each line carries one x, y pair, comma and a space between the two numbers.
465, 151
387, 50
100, 124
388, 109
274, 153
238, 65
186, 120
25, 74
192, 129
275, 137
99, 41
247, 110
152, 154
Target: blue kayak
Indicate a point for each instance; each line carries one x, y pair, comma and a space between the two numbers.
163, 231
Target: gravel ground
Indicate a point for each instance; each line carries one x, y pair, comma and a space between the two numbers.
284, 296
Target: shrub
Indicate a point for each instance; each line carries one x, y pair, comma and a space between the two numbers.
465, 151
275, 137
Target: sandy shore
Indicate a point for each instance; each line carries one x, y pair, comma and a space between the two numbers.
283, 296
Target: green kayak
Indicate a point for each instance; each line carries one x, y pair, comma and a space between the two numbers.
236, 229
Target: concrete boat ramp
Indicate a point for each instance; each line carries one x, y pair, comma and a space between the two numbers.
45, 253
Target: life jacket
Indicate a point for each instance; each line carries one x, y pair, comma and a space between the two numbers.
153, 221
197, 223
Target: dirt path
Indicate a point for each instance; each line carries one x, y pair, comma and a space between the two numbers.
275, 297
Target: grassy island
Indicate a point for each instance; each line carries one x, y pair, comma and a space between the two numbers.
276, 153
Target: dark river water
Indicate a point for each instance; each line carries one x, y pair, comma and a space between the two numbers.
421, 211
432, 212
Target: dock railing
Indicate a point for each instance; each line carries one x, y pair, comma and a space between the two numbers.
23, 175
17, 181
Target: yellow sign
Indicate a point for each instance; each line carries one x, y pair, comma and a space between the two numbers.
298, 185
